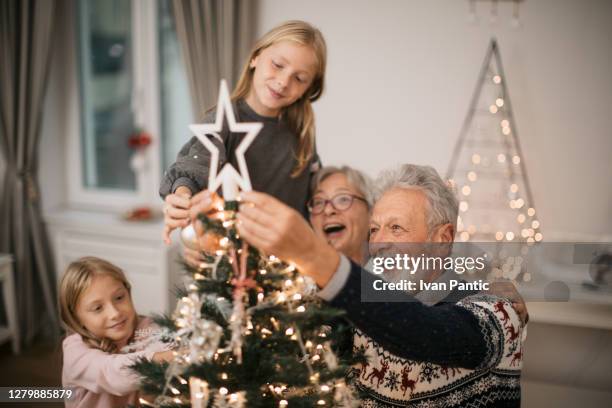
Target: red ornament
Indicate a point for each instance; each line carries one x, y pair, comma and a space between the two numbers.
139, 214
139, 139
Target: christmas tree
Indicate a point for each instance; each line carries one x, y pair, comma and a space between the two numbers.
248, 327
489, 171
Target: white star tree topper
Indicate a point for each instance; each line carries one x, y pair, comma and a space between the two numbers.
228, 178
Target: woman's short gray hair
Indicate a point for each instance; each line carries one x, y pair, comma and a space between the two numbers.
359, 180
443, 206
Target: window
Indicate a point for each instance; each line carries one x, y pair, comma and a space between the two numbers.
106, 87
130, 78
174, 92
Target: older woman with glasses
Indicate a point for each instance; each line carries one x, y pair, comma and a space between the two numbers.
339, 209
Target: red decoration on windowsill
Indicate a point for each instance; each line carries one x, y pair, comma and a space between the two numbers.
139, 139
144, 213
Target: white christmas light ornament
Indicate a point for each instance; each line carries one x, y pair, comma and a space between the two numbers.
228, 178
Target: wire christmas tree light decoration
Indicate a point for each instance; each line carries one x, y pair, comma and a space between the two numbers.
488, 168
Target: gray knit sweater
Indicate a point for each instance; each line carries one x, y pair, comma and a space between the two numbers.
270, 159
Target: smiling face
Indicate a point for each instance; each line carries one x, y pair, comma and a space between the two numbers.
346, 231
282, 73
105, 309
400, 217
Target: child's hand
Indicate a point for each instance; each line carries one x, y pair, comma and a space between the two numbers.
163, 356
176, 211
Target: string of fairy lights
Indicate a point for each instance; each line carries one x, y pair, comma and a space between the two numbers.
527, 223
495, 203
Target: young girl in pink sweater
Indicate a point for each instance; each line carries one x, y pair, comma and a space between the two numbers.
105, 336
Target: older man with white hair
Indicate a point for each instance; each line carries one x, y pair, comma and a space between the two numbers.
452, 348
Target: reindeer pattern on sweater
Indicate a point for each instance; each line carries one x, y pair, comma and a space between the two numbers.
388, 380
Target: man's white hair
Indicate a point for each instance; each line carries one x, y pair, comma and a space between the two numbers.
443, 206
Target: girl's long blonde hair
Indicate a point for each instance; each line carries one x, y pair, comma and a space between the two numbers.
299, 115
76, 280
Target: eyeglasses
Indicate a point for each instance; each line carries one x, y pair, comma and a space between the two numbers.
340, 202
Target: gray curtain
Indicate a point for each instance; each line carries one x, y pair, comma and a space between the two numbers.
215, 37
26, 28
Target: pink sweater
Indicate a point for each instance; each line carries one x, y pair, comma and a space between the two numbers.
103, 380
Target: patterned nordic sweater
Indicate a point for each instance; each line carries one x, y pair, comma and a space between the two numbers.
465, 351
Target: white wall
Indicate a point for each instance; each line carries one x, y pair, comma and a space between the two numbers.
565, 364
401, 73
